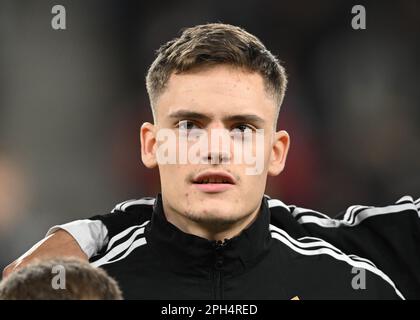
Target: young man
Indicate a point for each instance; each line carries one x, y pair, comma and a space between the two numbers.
212, 233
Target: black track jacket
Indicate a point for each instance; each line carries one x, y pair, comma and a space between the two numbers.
287, 252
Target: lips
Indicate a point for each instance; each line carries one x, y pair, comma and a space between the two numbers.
214, 177
214, 181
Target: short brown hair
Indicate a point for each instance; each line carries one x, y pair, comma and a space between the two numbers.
82, 282
213, 44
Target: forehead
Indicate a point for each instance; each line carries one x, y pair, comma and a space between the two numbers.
220, 90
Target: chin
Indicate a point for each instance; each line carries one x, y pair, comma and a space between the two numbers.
215, 221
206, 214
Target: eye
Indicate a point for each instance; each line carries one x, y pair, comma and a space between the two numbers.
186, 125
243, 127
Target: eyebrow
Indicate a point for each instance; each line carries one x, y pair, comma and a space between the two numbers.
180, 114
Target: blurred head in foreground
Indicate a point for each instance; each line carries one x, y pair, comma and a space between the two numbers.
59, 279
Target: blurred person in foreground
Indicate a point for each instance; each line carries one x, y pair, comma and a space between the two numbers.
212, 233
60, 279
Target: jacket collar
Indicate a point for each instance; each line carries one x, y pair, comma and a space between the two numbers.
188, 253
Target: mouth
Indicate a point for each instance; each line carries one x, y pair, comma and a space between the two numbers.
214, 181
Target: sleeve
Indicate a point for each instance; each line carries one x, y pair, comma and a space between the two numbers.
388, 236
91, 235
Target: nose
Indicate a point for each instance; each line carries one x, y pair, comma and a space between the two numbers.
219, 144
218, 157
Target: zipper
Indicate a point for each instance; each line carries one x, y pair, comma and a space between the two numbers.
217, 272
218, 285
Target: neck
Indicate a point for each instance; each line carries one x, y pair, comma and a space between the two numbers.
211, 231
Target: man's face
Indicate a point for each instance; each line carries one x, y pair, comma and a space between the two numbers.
220, 97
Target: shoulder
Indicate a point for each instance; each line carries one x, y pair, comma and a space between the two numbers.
142, 205
405, 208
126, 230
127, 215
383, 239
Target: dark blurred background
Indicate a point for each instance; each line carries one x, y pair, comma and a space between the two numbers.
72, 102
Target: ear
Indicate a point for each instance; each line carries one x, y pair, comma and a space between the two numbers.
279, 151
148, 145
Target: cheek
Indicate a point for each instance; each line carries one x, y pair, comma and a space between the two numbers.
259, 180
264, 152
170, 177
178, 175
267, 149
